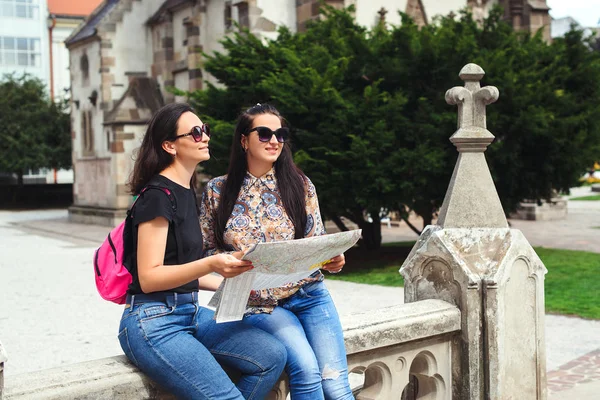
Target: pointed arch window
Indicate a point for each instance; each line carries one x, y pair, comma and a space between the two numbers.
84, 68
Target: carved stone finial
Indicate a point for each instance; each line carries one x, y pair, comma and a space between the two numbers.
471, 199
382, 12
472, 133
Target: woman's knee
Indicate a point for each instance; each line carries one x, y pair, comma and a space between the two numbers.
275, 353
303, 367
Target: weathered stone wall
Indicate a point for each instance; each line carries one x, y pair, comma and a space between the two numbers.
84, 82
130, 51
163, 55
93, 185
273, 14
131, 136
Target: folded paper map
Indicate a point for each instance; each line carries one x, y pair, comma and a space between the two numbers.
276, 264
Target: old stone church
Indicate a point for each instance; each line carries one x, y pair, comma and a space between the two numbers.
125, 55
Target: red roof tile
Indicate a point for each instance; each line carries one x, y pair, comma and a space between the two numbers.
69, 7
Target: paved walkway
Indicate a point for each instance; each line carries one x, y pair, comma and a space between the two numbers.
67, 322
579, 231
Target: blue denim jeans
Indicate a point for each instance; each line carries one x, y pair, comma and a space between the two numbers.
180, 347
308, 324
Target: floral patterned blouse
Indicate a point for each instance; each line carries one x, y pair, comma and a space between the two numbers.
259, 216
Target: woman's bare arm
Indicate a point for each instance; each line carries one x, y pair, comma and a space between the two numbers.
154, 276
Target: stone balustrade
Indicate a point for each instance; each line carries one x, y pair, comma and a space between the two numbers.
391, 346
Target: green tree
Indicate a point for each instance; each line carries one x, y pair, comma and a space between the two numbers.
34, 129
371, 125
58, 139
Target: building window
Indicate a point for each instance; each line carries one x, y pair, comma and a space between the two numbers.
243, 14
20, 51
19, 9
228, 16
87, 133
84, 67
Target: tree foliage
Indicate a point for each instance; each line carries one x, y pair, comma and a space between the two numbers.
35, 131
370, 122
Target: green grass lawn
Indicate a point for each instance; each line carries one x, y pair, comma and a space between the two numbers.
571, 285
587, 198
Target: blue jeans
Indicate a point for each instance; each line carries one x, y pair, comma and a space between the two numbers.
180, 347
308, 324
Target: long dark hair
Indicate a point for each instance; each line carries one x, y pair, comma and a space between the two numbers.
152, 158
290, 179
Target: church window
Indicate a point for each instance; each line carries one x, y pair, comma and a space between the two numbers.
84, 67
228, 16
243, 14
87, 133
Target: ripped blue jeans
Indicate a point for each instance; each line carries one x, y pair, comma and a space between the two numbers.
308, 325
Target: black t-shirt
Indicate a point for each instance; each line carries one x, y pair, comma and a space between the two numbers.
155, 203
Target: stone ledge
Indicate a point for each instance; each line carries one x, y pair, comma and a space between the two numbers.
107, 378
116, 378
399, 324
96, 215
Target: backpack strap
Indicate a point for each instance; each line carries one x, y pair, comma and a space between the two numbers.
166, 190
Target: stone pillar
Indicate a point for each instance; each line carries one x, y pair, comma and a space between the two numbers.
473, 260
3, 359
194, 48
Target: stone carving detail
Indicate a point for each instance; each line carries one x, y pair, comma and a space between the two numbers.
436, 281
386, 374
378, 380
471, 200
430, 383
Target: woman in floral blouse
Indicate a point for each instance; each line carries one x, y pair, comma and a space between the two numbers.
265, 197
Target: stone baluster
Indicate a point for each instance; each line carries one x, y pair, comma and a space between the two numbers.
490, 272
280, 391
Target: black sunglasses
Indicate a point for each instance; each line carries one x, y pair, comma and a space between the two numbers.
265, 134
196, 133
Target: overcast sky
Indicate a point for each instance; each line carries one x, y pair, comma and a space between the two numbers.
586, 12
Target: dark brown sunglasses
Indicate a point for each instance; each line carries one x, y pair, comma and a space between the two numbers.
196, 133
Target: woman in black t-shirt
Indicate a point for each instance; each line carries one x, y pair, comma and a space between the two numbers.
163, 329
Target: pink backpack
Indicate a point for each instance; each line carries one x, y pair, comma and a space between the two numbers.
112, 276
